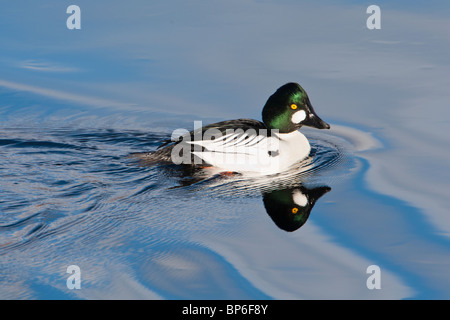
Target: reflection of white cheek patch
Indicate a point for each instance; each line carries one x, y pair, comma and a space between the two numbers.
299, 116
299, 198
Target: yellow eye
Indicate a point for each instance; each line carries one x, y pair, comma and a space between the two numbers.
293, 106
294, 210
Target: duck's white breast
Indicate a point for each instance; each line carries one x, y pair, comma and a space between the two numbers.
294, 147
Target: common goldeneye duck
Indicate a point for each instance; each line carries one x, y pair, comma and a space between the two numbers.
247, 145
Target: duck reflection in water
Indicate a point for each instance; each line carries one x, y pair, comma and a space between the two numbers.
287, 201
290, 208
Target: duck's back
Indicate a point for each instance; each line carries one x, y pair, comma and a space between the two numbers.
164, 152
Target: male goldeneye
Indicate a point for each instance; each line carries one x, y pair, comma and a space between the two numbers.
246, 145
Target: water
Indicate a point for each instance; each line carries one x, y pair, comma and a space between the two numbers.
71, 115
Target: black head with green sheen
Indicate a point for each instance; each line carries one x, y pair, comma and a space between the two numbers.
289, 108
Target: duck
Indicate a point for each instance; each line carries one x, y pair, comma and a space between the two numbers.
247, 145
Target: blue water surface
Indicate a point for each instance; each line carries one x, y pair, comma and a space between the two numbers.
75, 104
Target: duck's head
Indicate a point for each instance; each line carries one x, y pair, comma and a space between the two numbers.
290, 208
289, 108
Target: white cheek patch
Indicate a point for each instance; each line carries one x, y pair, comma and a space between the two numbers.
299, 198
298, 116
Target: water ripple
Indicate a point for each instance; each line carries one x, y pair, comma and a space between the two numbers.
90, 188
